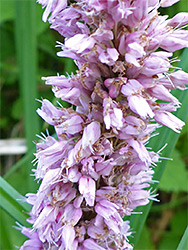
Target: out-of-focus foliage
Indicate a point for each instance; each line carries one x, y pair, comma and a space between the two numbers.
167, 220
175, 176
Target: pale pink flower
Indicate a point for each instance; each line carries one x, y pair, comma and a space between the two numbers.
91, 134
167, 119
87, 189
99, 168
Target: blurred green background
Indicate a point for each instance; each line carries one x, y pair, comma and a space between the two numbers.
28, 52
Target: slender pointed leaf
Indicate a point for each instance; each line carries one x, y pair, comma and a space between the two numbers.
23, 161
12, 208
6, 187
5, 242
12, 202
26, 49
183, 245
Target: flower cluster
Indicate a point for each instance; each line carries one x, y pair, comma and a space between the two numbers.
99, 169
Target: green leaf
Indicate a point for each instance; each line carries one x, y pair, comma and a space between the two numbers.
185, 128
41, 26
26, 48
182, 142
22, 162
13, 202
7, 188
4, 233
183, 245
175, 176
145, 242
9, 235
6, 10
